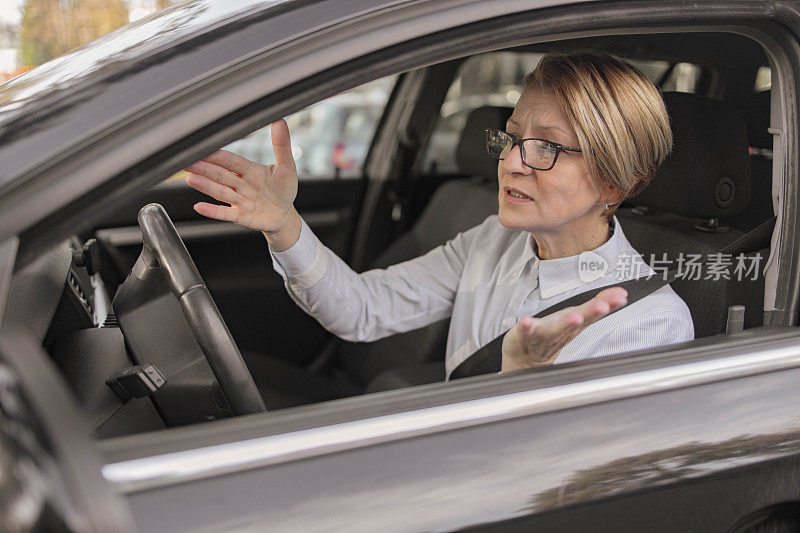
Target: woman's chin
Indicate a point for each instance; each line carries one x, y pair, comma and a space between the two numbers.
518, 221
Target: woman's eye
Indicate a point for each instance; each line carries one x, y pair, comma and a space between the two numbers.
544, 149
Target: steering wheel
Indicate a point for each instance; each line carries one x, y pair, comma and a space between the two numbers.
163, 247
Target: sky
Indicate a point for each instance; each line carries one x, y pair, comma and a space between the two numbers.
10, 11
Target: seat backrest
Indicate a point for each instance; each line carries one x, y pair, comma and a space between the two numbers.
708, 173
706, 177
455, 206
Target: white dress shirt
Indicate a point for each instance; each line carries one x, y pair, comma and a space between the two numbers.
486, 279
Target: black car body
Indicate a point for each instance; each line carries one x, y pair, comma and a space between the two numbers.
701, 436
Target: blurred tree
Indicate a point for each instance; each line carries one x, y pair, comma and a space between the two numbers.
53, 27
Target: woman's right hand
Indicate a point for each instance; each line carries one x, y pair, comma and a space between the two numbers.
259, 197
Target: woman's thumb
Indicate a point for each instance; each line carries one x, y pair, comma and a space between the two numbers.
282, 144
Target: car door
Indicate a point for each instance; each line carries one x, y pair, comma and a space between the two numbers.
607, 444
682, 440
694, 437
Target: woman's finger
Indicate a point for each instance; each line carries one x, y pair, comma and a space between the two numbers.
230, 161
615, 297
282, 145
565, 322
595, 310
218, 212
604, 303
213, 189
216, 173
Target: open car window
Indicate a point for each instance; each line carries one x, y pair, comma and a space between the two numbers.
330, 139
293, 359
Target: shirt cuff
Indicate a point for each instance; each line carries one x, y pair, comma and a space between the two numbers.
304, 263
300, 256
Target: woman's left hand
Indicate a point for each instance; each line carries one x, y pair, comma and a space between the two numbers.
538, 341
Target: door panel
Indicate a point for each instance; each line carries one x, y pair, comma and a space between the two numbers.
697, 458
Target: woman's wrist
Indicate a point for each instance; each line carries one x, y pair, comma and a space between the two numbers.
285, 237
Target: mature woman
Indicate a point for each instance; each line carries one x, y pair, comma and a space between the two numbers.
588, 131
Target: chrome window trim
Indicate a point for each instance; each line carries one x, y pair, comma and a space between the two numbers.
177, 467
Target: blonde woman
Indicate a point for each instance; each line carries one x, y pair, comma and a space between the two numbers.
588, 131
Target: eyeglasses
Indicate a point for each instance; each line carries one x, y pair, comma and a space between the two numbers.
538, 154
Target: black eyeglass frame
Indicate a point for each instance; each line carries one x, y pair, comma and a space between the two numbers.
518, 142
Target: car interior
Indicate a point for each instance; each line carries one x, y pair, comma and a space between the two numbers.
713, 194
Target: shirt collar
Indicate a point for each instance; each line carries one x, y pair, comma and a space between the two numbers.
557, 276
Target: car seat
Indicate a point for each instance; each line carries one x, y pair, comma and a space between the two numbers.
704, 181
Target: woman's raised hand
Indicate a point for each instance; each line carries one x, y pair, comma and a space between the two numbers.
259, 197
538, 341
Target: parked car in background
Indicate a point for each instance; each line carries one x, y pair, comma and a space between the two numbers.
155, 376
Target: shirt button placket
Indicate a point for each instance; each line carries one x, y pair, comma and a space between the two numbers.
527, 286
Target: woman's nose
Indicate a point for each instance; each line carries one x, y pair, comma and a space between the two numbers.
513, 162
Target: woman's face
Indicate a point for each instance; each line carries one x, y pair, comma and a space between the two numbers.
561, 199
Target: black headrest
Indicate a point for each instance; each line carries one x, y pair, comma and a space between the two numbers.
708, 173
756, 116
471, 155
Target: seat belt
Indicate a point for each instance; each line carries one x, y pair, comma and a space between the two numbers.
488, 359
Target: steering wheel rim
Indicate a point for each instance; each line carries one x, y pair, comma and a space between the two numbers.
163, 246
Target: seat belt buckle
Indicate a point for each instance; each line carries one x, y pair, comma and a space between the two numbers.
735, 322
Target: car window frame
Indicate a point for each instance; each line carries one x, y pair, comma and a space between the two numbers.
284, 416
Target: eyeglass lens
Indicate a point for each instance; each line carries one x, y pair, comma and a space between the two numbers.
537, 154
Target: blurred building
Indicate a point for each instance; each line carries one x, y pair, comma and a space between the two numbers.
9, 50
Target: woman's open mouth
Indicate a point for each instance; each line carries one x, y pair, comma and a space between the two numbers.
513, 195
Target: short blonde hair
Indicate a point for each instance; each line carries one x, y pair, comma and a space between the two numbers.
617, 113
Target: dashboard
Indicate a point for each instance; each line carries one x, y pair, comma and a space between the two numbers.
62, 301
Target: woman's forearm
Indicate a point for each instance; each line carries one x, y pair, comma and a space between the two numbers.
374, 304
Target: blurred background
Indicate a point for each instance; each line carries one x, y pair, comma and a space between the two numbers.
33, 32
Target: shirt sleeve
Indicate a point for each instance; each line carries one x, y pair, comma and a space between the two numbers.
376, 303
